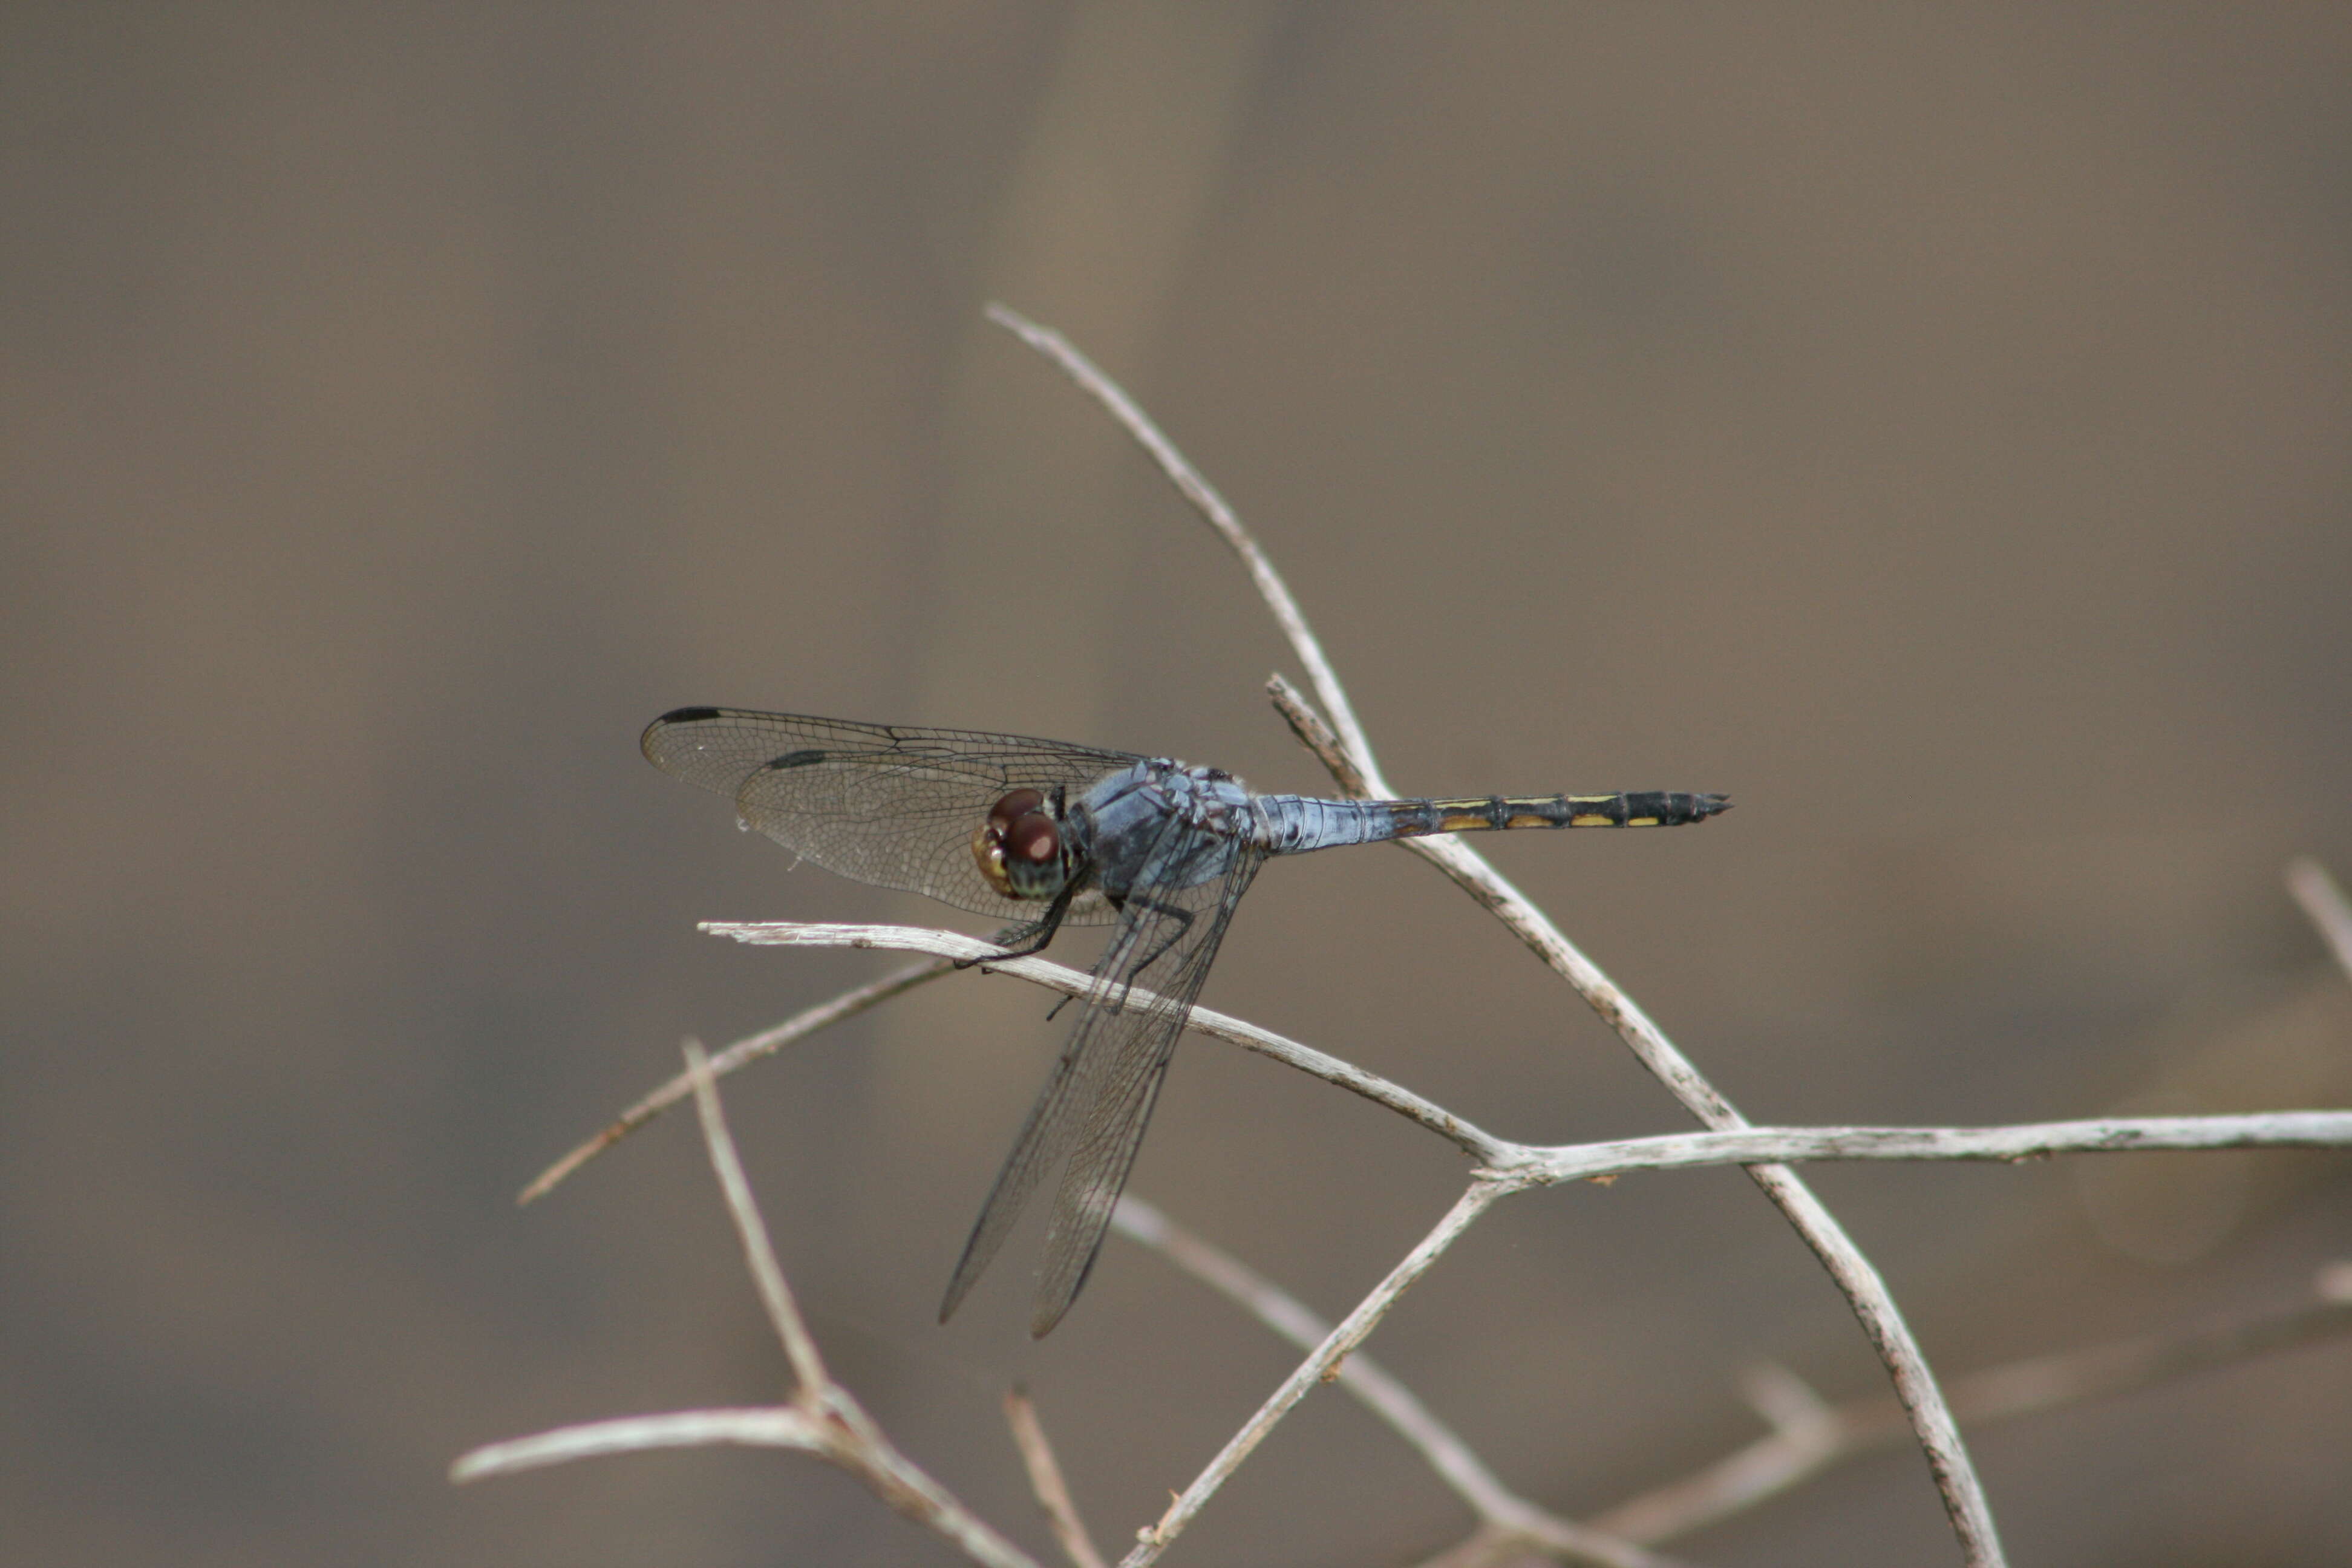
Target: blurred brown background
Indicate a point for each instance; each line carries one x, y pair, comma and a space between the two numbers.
1929, 429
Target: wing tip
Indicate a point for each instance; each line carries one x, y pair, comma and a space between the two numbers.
1050, 1311
650, 740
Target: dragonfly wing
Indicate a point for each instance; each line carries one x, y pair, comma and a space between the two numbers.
1101, 1090
890, 804
1124, 1063
1045, 1137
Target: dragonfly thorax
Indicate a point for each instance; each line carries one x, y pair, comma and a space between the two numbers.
1020, 848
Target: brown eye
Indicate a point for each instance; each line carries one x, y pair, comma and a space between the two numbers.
1015, 806
1034, 837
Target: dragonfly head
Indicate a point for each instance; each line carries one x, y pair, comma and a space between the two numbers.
1020, 848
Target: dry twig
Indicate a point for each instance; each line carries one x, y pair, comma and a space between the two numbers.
750, 1048
1505, 1520
1808, 1436
2324, 902
1882, 1321
821, 1418
1471, 1138
1045, 1480
1519, 1165
1327, 1355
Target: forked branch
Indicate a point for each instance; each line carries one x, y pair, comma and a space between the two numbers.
821, 1417
1808, 1436
1865, 1291
1505, 1519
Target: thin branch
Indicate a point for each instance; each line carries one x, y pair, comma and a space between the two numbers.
759, 1253
2324, 902
846, 1006
1316, 1368
1865, 1291
1451, 1458
1473, 1141
1872, 1304
1536, 1165
2024, 1140
762, 1426
1490, 1546
1205, 501
2102, 1372
831, 1426
1528, 1163
1045, 1480
1806, 1442
1511, 1517
822, 1418
1317, 737
1785, 1401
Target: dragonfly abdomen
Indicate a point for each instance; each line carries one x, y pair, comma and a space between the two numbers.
1293, 824
1639, 808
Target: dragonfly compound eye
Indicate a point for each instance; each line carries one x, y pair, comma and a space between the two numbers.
1034, 839
1015, 806
1019, 849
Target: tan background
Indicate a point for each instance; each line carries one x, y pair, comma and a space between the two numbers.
1930, 428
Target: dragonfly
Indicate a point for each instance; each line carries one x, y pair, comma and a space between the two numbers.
1048, 833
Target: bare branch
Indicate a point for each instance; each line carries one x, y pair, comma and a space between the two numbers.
822, 1418
1872, 1304
1208, 503
1316, 736
1316, 1368
1473, 1141
762, 1426
848, 1004
758, 1254
2324, 902
1045, 1480
2026, 1140
1803, 1444
1785, 1401
1512, 1519
1532, 1164
1460, 1469
1525, 1164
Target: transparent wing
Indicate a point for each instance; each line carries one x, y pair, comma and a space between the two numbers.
889, 805
1098, 1098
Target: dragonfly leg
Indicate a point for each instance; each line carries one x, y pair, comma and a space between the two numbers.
1181, 915
1020, 940
1176, 912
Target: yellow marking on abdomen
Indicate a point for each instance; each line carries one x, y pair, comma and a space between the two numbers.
1462, 822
